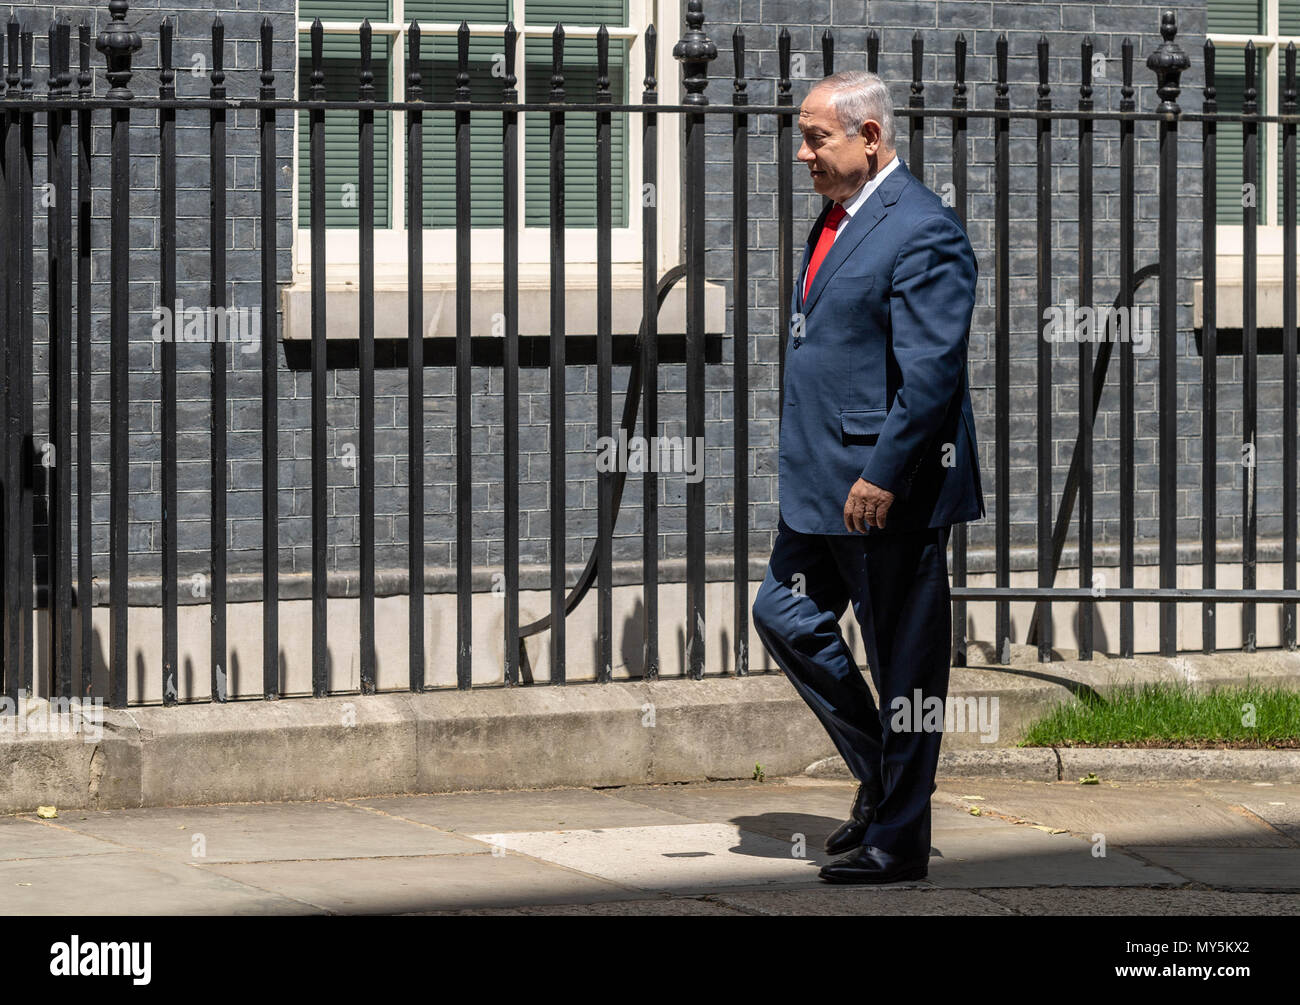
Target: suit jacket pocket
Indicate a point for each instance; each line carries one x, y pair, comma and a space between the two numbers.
862, 425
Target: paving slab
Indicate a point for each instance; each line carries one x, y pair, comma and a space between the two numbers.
660, 907
435, 883
779, 809
131, 883
526, 810
1122, 901
675, 858
844, 901
1125, 812
1002, 854
1276, 805
259, 832
1241, 868
27, 838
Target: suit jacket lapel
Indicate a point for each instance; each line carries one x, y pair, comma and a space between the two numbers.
807, 254
858, 227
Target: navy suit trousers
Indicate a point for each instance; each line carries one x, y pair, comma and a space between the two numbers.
898, 585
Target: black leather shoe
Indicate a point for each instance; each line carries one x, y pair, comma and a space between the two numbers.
850, 833
870, 864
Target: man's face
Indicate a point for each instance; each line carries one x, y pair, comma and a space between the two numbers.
839, 165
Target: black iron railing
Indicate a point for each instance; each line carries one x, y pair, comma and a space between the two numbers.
70, 119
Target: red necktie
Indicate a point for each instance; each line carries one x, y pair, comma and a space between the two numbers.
824, 242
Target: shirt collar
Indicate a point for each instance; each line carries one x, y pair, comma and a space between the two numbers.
855, 202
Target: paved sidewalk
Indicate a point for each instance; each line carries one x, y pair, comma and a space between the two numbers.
720, 848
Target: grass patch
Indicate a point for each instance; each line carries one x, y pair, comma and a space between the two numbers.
1174, 715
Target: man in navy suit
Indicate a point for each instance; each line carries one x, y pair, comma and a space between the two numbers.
877, 461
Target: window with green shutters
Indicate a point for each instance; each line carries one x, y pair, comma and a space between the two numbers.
1270, 24
625, 20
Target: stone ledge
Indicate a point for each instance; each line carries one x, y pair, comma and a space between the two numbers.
439, 741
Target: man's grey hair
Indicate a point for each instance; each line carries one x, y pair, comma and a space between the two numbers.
856, 96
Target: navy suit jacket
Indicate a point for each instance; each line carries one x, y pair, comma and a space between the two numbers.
875, 368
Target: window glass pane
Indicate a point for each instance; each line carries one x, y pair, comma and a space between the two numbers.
343, 10
342, 66
455, 11
1230, 91
1281, 83
1234, 17
580, 134
486, 176
591, 12
1288, 17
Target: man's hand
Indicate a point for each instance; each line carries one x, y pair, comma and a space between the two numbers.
866, 506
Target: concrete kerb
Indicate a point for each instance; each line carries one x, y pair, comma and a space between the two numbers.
1027, 689
578, 735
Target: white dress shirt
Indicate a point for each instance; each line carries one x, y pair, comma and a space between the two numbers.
855, 202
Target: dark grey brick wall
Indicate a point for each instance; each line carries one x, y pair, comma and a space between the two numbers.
1064, 25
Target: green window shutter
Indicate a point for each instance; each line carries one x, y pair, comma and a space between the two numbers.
1234, 17
591, 13
580, 134
1230, 90
486, 172
1288, 17
342, 66
1281, 86
343, 10
455, 11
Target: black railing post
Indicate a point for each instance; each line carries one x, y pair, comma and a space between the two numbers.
916, 104
167, 352
270, 384
740, 341
1249, 345
1086, 411
10, 381
27, 285
366, 354
510, 364
1044, 356
415, 363
218, 414
319, 411
118, 42
85, 582
59, 241
1002, 352
650, 355
959, 180
694, 51
784, 207
1289, 350
604, 368
1126, 431
1168, 62
464, 387
558, 475
1209, 352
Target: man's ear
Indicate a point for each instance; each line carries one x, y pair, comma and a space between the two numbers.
870, 133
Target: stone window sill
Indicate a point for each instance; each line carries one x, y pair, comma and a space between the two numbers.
343, 301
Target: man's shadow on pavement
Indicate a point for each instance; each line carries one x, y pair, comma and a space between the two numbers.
802, 834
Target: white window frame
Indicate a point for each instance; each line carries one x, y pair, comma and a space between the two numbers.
487, 245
